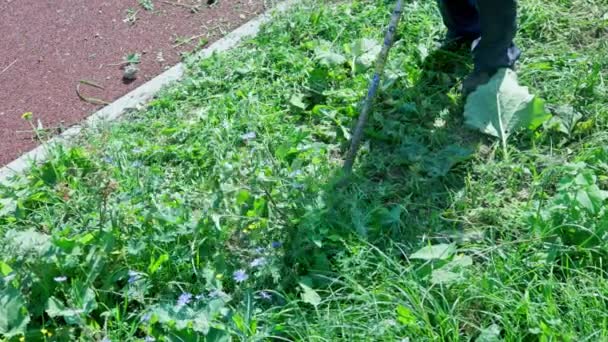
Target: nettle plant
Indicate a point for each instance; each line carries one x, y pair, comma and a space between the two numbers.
575, 216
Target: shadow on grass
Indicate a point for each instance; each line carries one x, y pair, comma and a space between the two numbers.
412, 164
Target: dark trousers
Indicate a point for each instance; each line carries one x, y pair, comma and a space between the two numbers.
495, 21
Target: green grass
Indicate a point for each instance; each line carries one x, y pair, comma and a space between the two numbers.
237, 168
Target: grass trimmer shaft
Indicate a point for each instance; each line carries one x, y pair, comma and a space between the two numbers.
373, 88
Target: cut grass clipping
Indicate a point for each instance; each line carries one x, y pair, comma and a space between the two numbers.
212, 213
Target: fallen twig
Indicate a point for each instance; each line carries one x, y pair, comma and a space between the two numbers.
91, 100
192, 8
187, 41
57, 129
118, 64
8, 66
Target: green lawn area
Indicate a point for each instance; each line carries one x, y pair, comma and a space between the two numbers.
216, 213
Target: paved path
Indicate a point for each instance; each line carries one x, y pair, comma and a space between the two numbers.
46, 47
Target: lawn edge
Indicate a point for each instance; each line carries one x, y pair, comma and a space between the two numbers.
140, 95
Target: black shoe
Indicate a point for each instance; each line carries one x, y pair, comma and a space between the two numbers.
474, 80
454, 41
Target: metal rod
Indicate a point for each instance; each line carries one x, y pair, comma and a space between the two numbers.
369, 99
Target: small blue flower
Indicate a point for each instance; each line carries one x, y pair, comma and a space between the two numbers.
184, 299
108, 160
106, 339
258, 262
240, 276
149, 339
137, 164
133, 277
146, 317
265, 295
60, 279
276, 244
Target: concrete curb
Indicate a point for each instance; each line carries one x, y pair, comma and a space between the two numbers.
140, 95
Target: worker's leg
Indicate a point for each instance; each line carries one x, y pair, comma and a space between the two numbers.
495, 49
461, 18
498, 23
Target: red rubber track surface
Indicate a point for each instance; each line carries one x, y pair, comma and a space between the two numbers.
48, 46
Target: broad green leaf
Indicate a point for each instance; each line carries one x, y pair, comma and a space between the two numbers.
591, 198
392, 217
405, 316
585, 126
489, 334
7, 205
157, 263
242, 197
502, 106
565, 119
310, 296
239, 321
441, 251
135, 247
440, 164
584, 200
327, 57
460, 261
297, 100
96, 262
364, 51
84, 298
29, 242
182, 317
443, 276
65, 244
13, 313
452, 271
56, 308
5, 269
412, 152
86, 238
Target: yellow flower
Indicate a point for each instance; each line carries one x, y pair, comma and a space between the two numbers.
49, 334
22, 339
27, 116
219, 276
